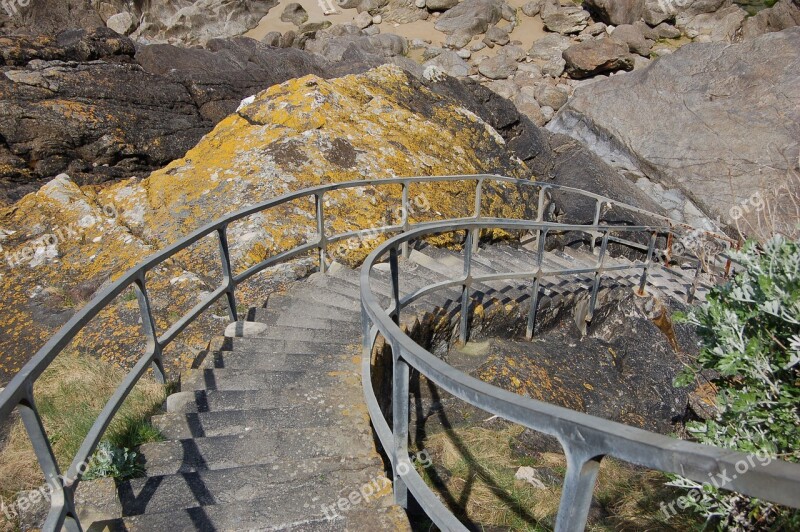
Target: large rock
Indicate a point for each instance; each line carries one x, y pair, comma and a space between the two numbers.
563, 19
616, 11
634, 38
784, 14
722, 25
498, 67
592, 57
440, 5
470, 17
450, 63
114, 116
717, 121
294, 13
298, 134
159, 21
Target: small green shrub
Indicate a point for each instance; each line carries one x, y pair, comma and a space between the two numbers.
750, 330
111, 461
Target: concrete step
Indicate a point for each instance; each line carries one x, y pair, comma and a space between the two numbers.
331, 334
177, 426
289, 304
282, 481
260, 446
267, 514
313, 342
274, 362
251, 379
288, 395
504, 292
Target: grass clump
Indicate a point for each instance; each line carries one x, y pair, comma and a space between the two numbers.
474, 473
69, 396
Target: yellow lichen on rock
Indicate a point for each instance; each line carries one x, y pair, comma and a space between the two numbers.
301, 133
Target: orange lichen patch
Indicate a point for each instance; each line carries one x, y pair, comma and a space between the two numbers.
525, 377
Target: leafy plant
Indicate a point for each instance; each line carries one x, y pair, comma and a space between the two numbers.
750, 330
111, 461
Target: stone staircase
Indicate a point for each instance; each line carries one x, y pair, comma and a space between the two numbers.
270, 431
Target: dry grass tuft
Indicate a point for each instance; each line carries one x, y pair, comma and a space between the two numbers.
69, 395
474, 475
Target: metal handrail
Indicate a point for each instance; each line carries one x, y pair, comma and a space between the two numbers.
18, 394
586, 439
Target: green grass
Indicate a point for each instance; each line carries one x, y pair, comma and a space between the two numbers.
474, 474
69, 395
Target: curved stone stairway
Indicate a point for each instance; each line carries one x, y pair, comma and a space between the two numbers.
270, 431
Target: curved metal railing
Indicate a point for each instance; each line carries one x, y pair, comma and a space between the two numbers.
585, 439
18, 394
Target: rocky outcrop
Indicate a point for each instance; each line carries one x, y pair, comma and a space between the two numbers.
716, 121
616, 11
84, 104
784, 14
592, 57
63, 243
186, 22
470, 17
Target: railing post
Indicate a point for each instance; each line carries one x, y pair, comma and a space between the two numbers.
463, 332
404, 221
401, 463
227, 275
648, 262
62, 509
598, 206
598, 272
576, 495
322, 242
540, 207
541, 236
477, 214
395, 274
149, 327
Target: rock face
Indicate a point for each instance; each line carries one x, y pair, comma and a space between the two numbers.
784, 14
175, 21
719, 132
616, 11
470, 17
563, 19
294, 135
595, 56
122, 115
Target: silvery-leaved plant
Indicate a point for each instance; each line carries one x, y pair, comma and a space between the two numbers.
750, 331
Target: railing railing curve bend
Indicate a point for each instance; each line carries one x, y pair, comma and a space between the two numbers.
585, 439
18, 394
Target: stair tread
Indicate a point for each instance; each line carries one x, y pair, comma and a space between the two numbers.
176, 425
259, 446
285, 481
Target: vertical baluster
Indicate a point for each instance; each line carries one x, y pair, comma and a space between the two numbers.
576, 496
477, 214
648, 262
400, 405
541, 236
395, 274
61, 501
149, 326
404, 221
322, 243
597, 276
594, 234
227, 274
400, 385
463, 333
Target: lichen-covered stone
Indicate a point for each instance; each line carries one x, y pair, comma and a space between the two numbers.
298, 134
